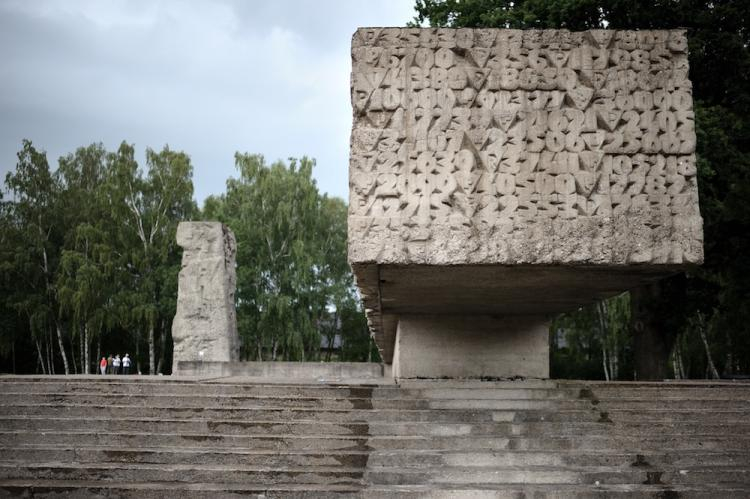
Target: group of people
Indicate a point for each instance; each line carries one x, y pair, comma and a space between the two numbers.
115, 365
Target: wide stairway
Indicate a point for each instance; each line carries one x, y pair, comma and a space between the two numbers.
143, 437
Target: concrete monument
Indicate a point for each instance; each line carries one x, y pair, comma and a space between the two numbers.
498, 177
205, 326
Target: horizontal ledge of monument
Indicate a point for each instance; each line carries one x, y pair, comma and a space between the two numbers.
286, 371
362, 253
393, 291
655, 269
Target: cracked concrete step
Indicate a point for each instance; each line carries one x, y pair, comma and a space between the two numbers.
677, 439
557, 475
323, 391
187, 390
573, 458
583, 392
675, 416
319, 475
639, 443
372, 459
258, 402
242, 401
291, 427
162, 489
265, 414
614, 404
288, 413
517, 391
355, 477
402, 402
190, 455
158, 490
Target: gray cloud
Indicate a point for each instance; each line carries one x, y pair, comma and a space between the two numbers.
209, 78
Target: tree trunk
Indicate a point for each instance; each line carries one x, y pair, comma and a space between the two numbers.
62, 349
137, 354
85, 350
601, 310
50, 354
605, 361
39, 354
680, 365
151, 352
657, 315
73, 354
710, 367
81, 354
614, 360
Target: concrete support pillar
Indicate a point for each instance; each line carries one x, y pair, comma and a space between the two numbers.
458, 346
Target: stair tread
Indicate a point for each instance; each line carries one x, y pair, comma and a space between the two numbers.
467, 438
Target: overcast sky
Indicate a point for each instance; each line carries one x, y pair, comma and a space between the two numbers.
208, 78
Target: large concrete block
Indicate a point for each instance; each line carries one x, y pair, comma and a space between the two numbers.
561, 162
471, 346
205, 325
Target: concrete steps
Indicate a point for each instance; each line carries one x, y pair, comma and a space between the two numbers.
154, 437
375, 428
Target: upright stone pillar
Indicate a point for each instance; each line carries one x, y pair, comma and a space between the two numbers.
205, 326
499, 177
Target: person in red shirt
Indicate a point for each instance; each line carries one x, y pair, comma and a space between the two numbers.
103, 365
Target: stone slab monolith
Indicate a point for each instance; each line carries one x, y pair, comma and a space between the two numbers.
513, 175
205, 325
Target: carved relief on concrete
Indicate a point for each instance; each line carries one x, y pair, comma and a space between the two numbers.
205, 324
508, 146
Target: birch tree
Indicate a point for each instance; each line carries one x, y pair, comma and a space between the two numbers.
293, 281
148, 209
35, 215
85, 277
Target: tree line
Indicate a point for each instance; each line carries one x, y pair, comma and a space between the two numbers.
694, 325
89, 262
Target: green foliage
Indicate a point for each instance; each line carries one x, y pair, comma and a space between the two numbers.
89, 253
293, 280
147, 209
34, 249
719, 52
593, 342
89, 261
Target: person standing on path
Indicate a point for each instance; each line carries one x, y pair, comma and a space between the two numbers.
109, 364
126, 364
103, 365
116, 364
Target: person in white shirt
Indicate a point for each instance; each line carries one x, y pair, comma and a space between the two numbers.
126, 364
116, 364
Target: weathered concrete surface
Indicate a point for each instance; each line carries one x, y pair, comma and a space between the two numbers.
285, 370
475, 346
568, 153
153, 437
205, 325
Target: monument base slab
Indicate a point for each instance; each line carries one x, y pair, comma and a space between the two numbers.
477, 346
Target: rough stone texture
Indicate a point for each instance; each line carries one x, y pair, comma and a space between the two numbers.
508, 146
542, 148
476, 346
205, 326
318, 371
63, 437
